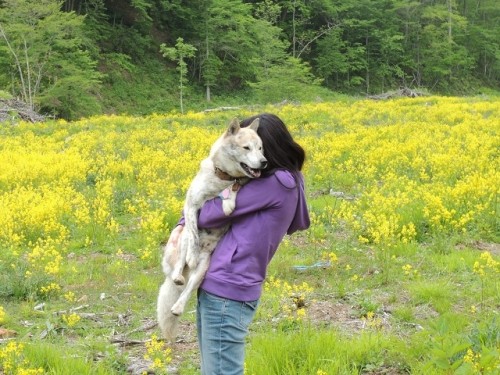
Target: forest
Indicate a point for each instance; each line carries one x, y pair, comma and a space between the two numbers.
76, 58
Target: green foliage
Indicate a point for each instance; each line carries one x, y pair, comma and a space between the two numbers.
311, 351
228, 38
290, 80
352, 47
5, 95
138, 89
43, 49
16, 285
48, 355
179, 54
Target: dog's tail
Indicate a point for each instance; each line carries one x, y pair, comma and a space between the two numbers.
168, 322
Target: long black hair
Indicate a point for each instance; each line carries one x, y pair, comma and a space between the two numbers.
280, 149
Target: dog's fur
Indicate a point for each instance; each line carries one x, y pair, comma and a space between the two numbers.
235, 157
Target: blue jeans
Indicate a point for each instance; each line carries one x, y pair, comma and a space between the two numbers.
222, 328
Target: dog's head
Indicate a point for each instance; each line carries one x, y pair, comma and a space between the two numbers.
243, 148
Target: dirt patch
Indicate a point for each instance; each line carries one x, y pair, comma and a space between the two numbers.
336, 314
385, 370
492, 247
185, 346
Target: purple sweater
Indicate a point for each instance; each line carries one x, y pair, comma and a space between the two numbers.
266, 209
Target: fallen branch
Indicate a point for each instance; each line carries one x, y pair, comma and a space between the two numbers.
221, 109
125, 342
11, 109
145, 327
402, 92
78, 308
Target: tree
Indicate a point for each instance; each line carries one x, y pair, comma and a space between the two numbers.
483, 38
332, 63
179, 53
44, 59
445, 60
290, 79
228, 44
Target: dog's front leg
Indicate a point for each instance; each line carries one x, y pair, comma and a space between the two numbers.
195, 278
229, 204
228, 197
189, 248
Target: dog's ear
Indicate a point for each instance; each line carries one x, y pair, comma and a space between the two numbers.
234, 127
255, 124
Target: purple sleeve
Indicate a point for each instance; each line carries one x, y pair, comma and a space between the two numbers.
301, 220
250, 198
257, 195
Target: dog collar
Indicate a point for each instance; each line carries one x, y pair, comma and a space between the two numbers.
224, 175
238, 182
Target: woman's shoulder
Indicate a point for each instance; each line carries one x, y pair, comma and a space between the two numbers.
286, 178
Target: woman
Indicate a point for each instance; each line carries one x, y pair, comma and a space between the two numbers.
267, 208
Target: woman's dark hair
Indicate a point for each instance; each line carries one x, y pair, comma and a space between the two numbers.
280, 150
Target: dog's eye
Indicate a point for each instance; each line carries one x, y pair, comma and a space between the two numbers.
246, 148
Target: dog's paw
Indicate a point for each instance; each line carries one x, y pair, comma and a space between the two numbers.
177, 309
228, 206
178, 280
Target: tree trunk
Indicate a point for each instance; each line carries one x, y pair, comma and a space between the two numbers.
24, 93
293, 28
367, 66
449, 20
207, 56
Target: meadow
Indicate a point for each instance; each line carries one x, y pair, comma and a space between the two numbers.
398, 274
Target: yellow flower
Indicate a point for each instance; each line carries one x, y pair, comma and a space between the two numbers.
12, 360
331, 257
70, 297
3, 314
71, 319
407, 269
158, 354
51, 288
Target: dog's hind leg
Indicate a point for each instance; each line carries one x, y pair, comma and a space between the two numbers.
193, 250
195, 279
189, 246
180, 262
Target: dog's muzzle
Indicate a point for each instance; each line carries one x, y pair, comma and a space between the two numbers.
254, 172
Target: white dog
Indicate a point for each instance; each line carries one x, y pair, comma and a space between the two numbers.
235, 157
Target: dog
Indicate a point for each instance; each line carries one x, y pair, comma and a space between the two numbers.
235, 158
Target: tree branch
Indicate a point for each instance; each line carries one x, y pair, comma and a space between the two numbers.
18, 64
323, 32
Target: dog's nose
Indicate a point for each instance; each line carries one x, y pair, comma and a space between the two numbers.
263, 163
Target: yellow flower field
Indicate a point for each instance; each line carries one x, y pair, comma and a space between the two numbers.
388, 173
416, 167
